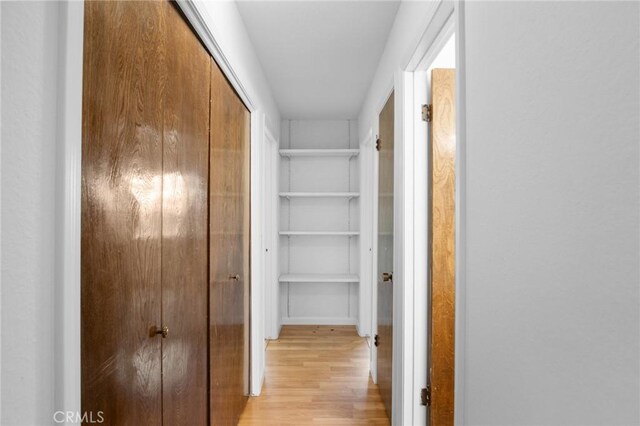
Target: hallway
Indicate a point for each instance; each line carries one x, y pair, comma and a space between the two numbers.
201, 201
317, 375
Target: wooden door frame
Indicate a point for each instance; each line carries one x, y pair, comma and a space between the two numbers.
410, 326
67, 316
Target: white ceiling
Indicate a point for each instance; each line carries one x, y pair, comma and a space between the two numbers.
319, 56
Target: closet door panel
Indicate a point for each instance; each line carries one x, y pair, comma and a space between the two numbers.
184, 225
124, 66
229, 251
385, 253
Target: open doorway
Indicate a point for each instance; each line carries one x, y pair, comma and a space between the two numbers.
317, 358
438, 48
319, 59
433, 88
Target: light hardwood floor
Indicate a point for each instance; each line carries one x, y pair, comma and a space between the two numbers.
317, 375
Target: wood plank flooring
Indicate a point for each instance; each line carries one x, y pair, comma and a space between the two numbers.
317, 375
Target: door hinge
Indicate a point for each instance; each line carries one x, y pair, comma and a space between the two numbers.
376, 340
427, 113
425, 396
378, 144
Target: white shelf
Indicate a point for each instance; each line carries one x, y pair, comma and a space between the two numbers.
290, 195
319, 152
328, 233
319, 278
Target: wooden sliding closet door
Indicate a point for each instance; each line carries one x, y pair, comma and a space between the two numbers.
122, 211
184, 225
229, 251
144, 216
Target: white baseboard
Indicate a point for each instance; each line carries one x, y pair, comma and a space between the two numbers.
360, 332
318, 321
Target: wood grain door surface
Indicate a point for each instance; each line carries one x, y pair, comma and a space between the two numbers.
385, 253
123, 100
184, 225
442, 247
229, 251
145, 157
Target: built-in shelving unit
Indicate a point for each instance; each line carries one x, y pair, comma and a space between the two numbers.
319, 217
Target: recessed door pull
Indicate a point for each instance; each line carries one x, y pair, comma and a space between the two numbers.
164, 331
387, 276
234, 277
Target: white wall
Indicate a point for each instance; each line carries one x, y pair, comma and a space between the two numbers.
552, 260
226, 25
442, 56
29, 80
0, 225
408, 27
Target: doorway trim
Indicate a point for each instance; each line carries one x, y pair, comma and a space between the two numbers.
446, 18
67, 353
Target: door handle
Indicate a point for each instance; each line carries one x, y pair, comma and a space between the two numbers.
164, 331
387, 276
234, 277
